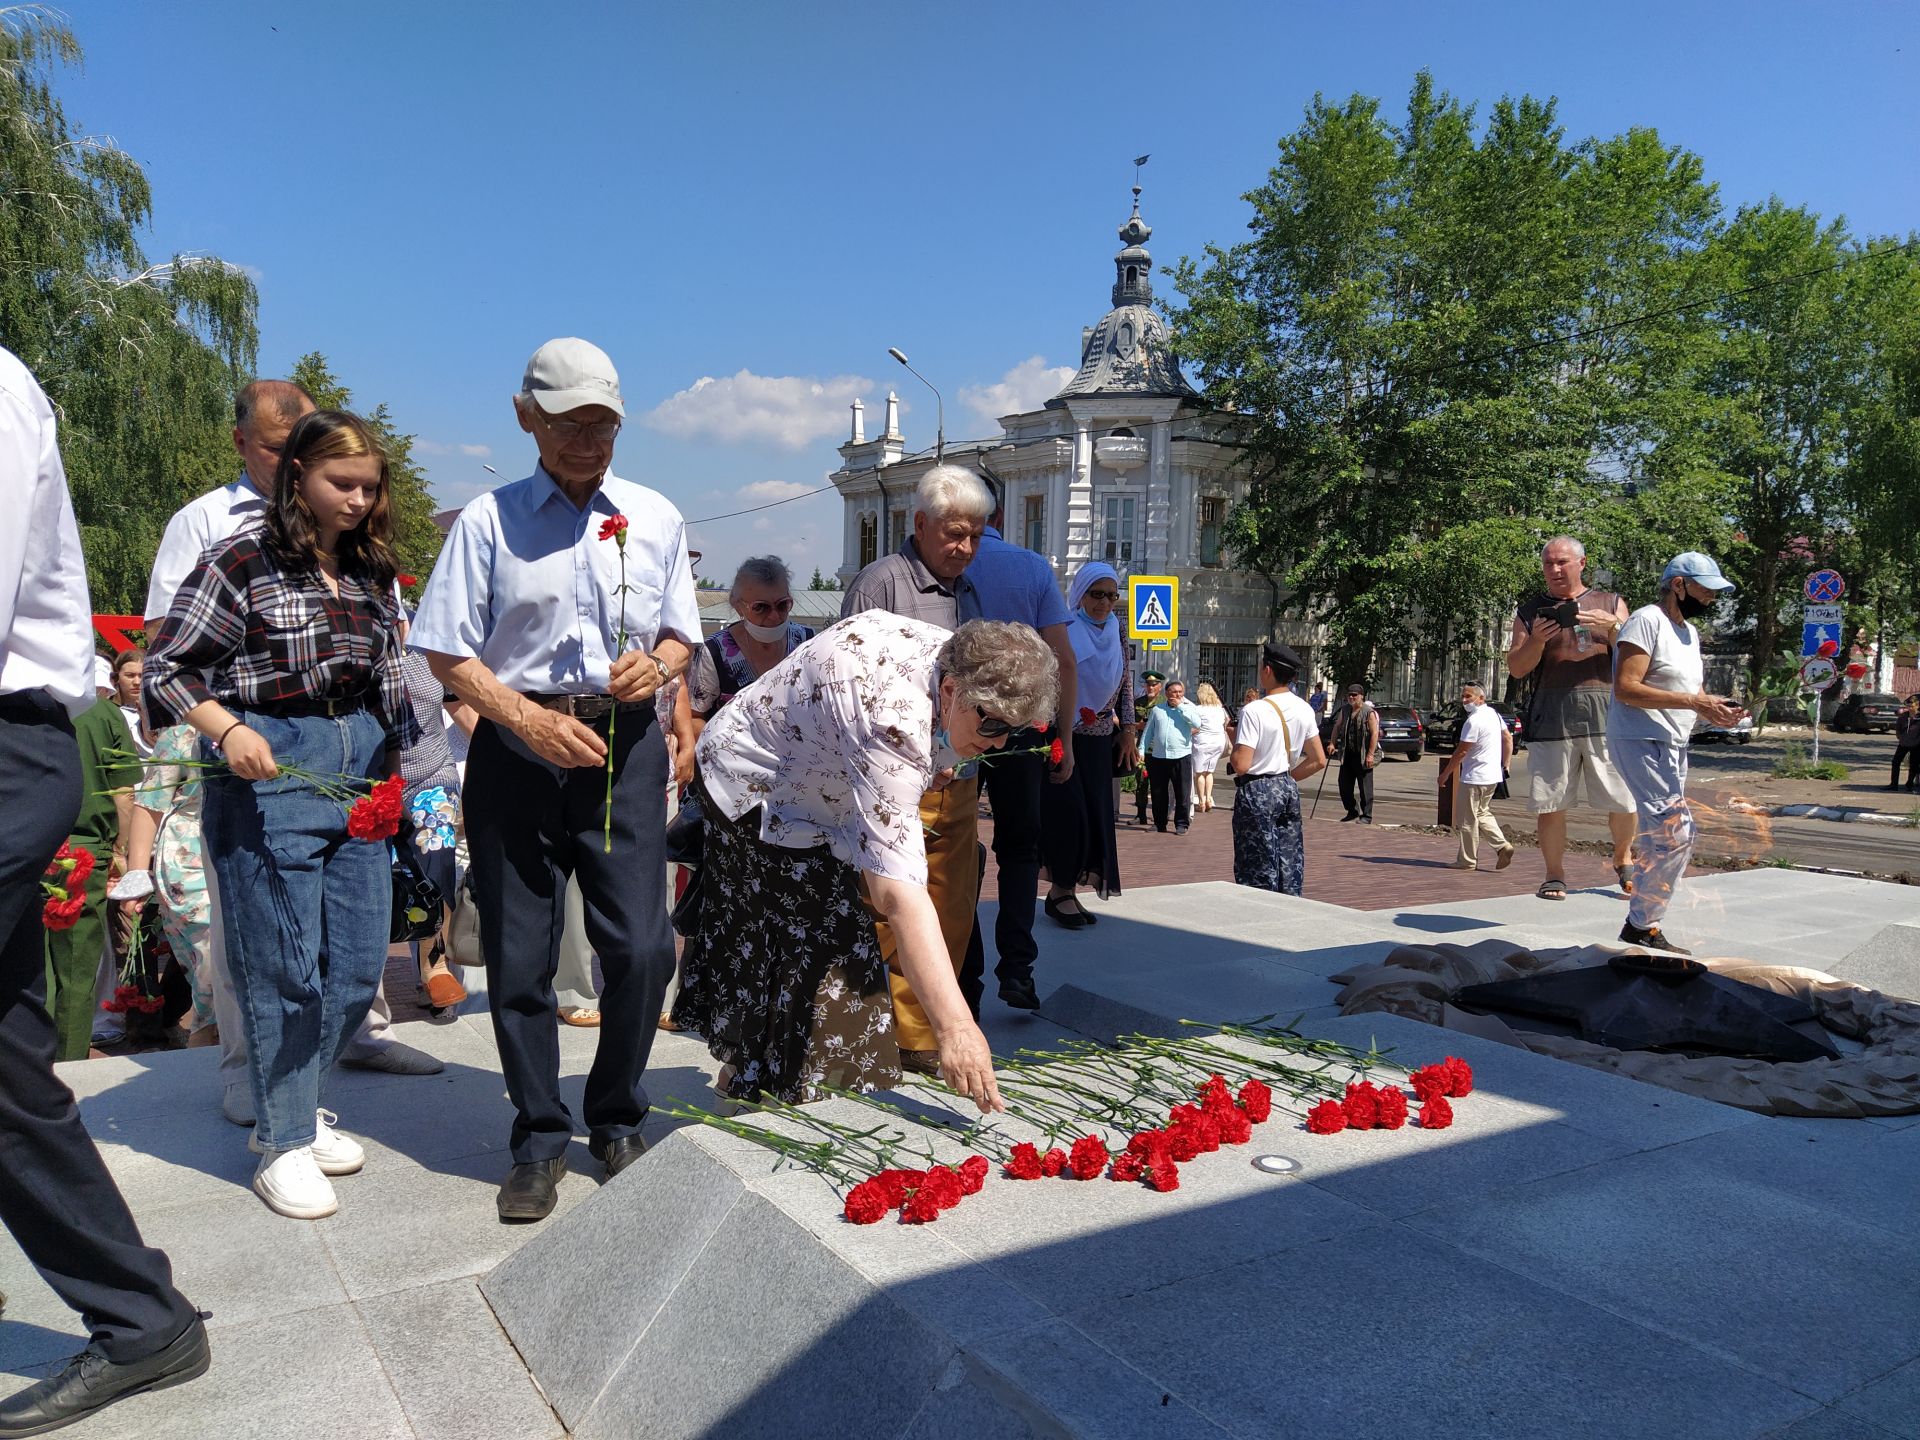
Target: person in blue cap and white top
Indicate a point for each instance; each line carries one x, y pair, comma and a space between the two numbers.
1658, 677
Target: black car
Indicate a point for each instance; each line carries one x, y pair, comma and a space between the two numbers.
1402, 732
1861, 713
1443, 725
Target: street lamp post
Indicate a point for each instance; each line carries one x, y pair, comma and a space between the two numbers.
940, 434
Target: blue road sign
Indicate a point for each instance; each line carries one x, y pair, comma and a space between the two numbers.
1825, 586
1153, 607
1812, 636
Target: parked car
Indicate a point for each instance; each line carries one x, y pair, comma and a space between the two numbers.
1402, 732
1738, 733
1862, 713
1443, 725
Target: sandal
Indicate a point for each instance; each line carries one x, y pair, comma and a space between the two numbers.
1552, 890
579, 1015
1625, 872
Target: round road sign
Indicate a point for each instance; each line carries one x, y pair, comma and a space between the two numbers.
1825, 586
1817, 672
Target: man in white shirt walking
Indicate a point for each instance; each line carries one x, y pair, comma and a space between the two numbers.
1480, 758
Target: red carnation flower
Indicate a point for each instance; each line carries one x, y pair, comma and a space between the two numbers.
1056, 752
1430, 1080
1183, 1141
1087, 715
1089, 1157
1391, 1109
407, 580
1459, 1076
1362, 1105
1214, 1088
1856, 671
1127, 1167
62, 914
973, 1173
895, 1185
1235, 1128
1024, 1163
921, 1208
614, 528
1436, 1114
1257, 1100
866, 1204
1053, 1163
1326, 1118
1829, 648
376, 815
943, 1185
1164, 1177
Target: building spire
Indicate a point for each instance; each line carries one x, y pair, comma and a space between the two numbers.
1133, 266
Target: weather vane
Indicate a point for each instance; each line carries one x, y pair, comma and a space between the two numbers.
1138, 161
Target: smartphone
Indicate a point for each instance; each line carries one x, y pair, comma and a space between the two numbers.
1565, 614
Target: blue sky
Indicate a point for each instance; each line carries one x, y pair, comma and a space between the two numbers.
764, 196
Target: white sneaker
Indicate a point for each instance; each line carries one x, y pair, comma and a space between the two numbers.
292, 1185
333, 1153
236, 1103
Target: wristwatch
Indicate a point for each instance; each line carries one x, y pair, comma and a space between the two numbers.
661, 666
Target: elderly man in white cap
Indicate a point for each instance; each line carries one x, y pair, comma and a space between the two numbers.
1658, 675
558, 634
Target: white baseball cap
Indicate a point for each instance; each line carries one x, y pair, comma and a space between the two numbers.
567, 374
1698, 568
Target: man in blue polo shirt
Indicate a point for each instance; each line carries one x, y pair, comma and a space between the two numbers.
1018, 585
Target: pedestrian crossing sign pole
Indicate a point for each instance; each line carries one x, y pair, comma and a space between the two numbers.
1153, 610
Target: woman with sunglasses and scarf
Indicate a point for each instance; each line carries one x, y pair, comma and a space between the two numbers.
1077, 818
763, 636
811, 782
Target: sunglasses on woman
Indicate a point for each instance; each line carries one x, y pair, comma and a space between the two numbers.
992, 727
1103, 595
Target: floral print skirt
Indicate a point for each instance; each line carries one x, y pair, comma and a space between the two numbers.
783, 975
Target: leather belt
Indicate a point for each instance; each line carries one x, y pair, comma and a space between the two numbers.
588, 707
332, 708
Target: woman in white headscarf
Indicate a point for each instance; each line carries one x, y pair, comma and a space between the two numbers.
1077, 817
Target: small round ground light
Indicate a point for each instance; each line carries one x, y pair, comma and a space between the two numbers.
1275, 1164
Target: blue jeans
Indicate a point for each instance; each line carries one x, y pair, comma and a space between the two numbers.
1655, 773
305, 910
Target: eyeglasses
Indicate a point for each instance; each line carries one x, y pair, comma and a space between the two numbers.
600, 431
770, 607
992, 727
1102, 595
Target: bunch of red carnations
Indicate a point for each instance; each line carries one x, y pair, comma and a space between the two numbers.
1368, 1106
376, 815
1154, 1157
65, 886
921, 1196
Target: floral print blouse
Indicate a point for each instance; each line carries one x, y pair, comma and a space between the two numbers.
836, 742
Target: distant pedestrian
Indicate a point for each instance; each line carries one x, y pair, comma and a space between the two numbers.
1276, 746
1657, 696
1563, 641
1168, 743
1479, 760
1906, 743
1143, 704
1356, 745
1209, 743
1316, 702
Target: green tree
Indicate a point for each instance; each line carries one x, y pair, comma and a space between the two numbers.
139, 359
823, 582
1424, 333
417, 539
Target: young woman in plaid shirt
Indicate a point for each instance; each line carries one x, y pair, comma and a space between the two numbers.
282, 648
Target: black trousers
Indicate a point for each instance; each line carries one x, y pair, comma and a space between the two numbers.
1911, 755
1162, 773
1014, 784
1356, 786
530, 825
56, 1196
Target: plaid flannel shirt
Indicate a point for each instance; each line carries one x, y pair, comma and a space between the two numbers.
246, 632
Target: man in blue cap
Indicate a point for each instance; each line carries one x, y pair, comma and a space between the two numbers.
1658, 675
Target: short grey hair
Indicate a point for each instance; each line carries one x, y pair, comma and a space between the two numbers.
1475, 686
1578, 548
949, 491
1005, 669
761, 570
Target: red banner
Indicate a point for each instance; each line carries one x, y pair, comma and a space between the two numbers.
113, 629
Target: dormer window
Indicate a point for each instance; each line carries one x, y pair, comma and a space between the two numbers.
1133, 274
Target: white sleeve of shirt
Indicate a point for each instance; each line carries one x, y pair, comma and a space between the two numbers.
453, 614
46, 625
185, 541
679, 606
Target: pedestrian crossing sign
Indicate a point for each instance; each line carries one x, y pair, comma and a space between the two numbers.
1153, 607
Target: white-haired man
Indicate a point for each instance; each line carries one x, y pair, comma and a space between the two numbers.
1563, 637
926, 580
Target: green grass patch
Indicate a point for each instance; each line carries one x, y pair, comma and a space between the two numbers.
1794, 765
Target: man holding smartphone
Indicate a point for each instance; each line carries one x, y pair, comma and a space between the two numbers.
1564, 637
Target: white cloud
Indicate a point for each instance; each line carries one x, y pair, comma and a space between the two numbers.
1025, 387
791, 411
764, 490
435, 447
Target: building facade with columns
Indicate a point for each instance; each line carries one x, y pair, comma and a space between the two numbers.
1127, 464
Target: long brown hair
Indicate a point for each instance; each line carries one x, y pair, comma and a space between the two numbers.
291, 532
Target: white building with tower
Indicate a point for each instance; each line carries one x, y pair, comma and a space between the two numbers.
1127, 464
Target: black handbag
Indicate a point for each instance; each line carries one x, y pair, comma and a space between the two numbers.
687, 831
417, 902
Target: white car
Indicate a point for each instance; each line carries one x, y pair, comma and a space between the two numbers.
1738, 733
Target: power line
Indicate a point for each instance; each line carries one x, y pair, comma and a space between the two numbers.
706, 519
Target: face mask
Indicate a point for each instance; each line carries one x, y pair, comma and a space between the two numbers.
1692, 609
1470, 705
765, 634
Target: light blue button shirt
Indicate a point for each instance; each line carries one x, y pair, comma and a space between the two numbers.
525, 585
1169, 731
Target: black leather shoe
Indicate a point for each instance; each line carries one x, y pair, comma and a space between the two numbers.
1649, 939
530, 1190
616, 1155
1067, 917
1019, 993
90, 1382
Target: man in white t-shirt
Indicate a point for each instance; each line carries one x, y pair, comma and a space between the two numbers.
1276, 746
1480, 759
1657, 694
